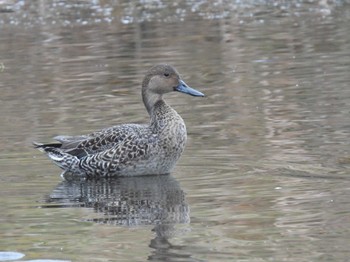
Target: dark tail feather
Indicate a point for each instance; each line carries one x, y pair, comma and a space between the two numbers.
39, 145
62, 159
78, 152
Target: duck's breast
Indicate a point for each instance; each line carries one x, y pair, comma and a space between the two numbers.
171, 141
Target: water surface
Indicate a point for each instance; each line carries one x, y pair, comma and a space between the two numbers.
265, 175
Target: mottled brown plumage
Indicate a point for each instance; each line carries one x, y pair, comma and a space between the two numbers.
130, 149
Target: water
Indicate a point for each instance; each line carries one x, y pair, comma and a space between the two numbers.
265, 175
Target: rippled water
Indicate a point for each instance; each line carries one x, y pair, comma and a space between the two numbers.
265, 175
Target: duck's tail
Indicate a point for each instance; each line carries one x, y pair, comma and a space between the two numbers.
64, 160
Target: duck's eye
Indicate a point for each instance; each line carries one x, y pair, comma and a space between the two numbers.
166, 74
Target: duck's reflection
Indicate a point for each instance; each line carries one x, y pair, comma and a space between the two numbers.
130, 201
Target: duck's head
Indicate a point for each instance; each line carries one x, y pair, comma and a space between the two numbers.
162, 79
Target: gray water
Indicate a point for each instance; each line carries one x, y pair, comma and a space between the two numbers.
265, 174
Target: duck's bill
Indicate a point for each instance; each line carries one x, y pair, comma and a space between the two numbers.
184, 88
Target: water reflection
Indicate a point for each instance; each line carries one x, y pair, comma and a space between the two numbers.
130, 201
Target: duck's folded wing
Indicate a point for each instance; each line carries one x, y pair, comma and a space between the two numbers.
99, 141
131, 151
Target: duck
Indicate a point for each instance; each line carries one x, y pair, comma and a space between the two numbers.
130, 149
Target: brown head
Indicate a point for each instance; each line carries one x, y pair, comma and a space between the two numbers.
161, 79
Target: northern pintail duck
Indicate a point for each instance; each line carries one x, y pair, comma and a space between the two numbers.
130, 149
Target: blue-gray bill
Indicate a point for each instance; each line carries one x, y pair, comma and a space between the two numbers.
184, 88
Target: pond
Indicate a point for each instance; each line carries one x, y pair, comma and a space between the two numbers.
265, 173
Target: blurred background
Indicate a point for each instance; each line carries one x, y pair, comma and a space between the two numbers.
265, 175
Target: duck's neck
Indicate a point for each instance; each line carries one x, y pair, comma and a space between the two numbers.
150, 100
163, 117
161, 114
